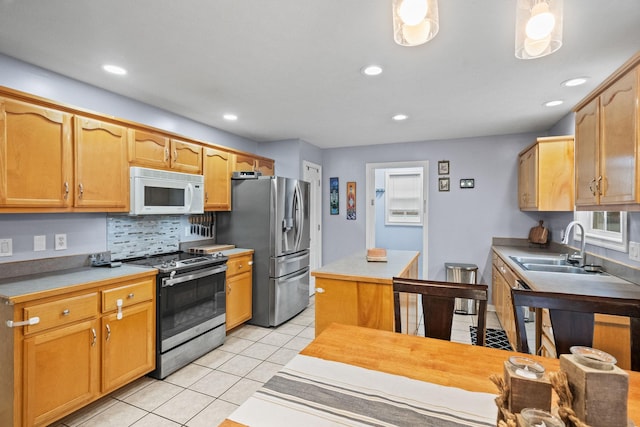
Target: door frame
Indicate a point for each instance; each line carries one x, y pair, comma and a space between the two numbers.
315, 219
371, 208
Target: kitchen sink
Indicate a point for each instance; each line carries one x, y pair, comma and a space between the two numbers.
546, 260
555, 268
551, 264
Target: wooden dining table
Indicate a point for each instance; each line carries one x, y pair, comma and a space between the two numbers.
439, 362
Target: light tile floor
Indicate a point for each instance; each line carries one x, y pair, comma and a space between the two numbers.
208, 390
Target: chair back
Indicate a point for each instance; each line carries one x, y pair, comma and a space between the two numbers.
438, 304
572, 318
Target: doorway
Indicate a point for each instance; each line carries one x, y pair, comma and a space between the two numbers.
313, 175
379, 230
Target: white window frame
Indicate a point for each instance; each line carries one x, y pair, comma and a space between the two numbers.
604, 239
413, 218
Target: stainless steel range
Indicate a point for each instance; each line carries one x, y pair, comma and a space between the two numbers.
190, 309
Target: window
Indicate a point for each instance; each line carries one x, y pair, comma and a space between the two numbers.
604, 229
403, 197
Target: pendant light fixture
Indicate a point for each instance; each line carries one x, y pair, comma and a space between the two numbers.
538, 28
414, 21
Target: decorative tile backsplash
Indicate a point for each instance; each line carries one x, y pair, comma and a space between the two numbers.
136, 236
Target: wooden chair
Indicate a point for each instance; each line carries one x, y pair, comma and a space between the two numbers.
438, 304
572, 318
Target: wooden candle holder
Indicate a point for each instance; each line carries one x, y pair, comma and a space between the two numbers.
599, 396
526, 392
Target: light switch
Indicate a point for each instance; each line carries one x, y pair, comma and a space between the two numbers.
39, 243
6, 247
634, 251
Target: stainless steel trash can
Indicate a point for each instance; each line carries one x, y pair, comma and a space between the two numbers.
463, 273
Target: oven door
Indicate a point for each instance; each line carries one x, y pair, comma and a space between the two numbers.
190, 304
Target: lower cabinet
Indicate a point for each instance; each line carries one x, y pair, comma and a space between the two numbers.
503, 280
239, 289
86, 344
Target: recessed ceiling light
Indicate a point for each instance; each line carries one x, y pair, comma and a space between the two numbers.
114, 69
575, 82
400, 117
372, 70
230, 117
553, 103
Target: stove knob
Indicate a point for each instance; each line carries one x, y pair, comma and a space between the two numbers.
173, 263
164, 264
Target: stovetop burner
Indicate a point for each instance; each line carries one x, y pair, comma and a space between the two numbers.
178, 260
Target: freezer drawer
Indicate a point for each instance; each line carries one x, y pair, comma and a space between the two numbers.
290, 296
287, 264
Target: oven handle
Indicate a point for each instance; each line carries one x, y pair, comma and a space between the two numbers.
170, 281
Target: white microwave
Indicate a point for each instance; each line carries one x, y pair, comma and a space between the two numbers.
156, 192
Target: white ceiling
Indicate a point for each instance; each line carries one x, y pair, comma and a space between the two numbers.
291, 68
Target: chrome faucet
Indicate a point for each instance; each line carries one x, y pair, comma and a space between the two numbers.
575, 257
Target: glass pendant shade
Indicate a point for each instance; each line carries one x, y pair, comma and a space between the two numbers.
538, 28
414, 21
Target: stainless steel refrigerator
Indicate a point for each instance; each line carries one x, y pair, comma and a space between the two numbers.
271, 216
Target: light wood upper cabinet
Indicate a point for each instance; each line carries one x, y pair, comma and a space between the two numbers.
35, 156
186, 157
148, 149
545, 175
245, 162
608, 143
101, 168
158, 151
216, 167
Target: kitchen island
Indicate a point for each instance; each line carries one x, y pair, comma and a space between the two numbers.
354, 291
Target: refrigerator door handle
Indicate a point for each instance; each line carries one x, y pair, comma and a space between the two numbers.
296, 277
298, 207
297, 258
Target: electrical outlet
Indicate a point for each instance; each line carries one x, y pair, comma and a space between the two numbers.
187, 230
60, 242
6, 247
39, 243
634, 251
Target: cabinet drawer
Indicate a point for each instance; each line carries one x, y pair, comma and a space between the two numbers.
131, 293
61, 312
239, 265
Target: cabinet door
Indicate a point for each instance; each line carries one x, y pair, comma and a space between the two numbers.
186, 157
243, 162
528, 179
102, 179
239, 304
619, 140
60, 372
35, 156
586, 154
336, 301
128, 345
265, 166
148, 149
217, 179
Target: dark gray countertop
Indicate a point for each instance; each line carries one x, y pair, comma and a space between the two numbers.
580, 284
16, 287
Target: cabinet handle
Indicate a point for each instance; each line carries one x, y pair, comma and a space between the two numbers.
206, 196
108, 331
175, 155
131, 295
320, 290
66, 312
593, 186
81, 188
229, 288
598, 185
250, 263
95, 337
166, 154
66, 190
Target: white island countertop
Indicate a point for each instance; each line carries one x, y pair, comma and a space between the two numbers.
355, 267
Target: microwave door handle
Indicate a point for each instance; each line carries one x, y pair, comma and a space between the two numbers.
188, 197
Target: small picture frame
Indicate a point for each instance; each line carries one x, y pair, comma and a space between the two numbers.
443, 167
443, 184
